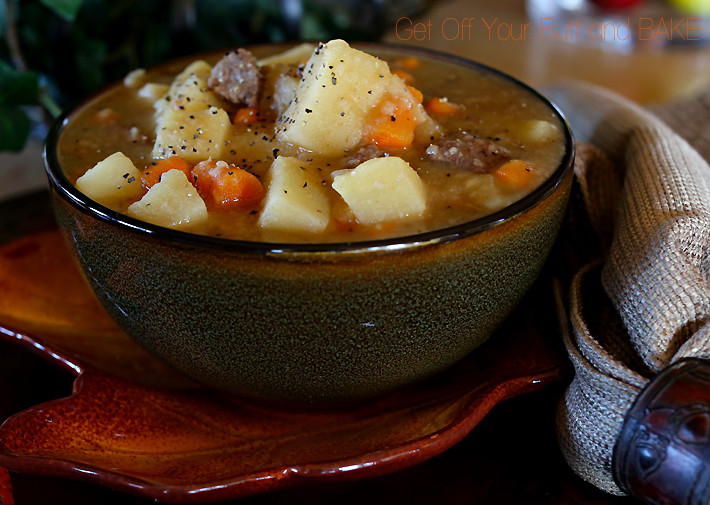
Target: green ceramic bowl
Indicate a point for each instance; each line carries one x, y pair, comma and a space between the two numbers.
312, 322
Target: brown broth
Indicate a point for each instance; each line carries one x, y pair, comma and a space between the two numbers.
495, 108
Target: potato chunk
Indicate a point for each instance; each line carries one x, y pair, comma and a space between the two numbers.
193, 135
112, 181
537, 131
191, 121
153, 91
189, 85
382, 189
296, 199
193, 94
173, 202
340, 86
293, 56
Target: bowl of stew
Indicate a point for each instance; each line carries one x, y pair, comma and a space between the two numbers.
319, 223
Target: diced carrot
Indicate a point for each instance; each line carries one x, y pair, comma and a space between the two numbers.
153, 172
418, 96
405, 76
410, 62
246, 115
394, 123
226, 185
442, 106
515, 174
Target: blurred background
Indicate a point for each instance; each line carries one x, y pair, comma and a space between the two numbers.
53, 53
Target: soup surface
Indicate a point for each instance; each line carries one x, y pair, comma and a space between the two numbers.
317, 144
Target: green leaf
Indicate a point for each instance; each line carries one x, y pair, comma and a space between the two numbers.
65, 9
90, 60
17, 88
14, 129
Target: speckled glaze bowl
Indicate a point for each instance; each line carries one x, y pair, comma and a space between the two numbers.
311, 323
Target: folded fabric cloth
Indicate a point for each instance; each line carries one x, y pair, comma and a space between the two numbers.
641, 298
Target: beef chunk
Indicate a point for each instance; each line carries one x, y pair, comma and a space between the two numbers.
365, 153
237, 78
469, 152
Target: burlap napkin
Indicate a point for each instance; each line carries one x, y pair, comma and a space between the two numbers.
642, 219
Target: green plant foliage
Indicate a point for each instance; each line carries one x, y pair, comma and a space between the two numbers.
16, 89
66, 9
14, 128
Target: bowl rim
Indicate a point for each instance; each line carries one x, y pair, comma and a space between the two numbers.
61, 184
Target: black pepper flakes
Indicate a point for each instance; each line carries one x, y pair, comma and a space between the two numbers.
308, 111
